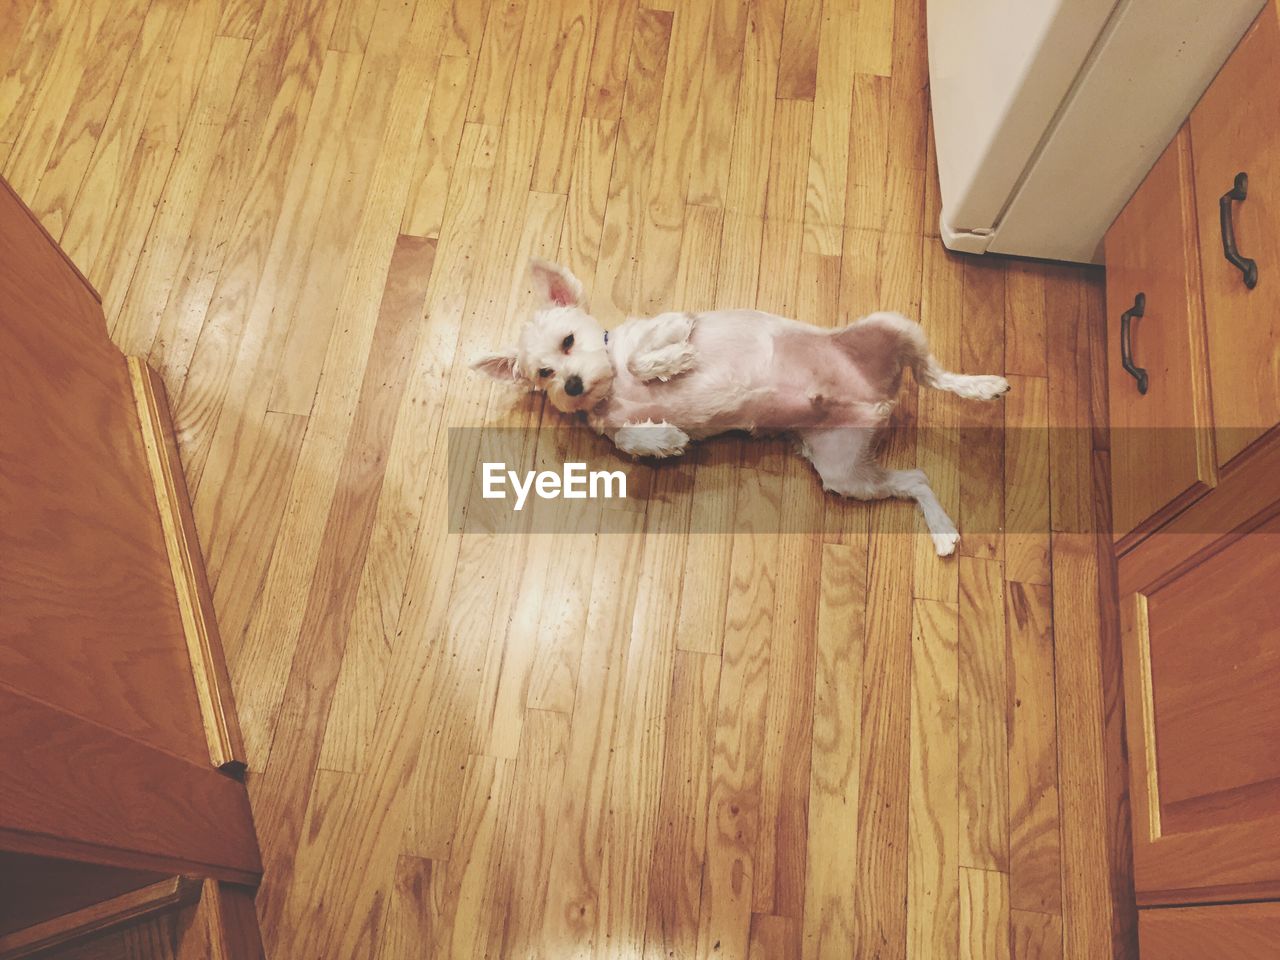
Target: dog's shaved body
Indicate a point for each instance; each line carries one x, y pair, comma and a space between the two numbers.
654, 384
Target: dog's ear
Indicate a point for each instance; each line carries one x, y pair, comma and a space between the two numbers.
500, 366
554, 285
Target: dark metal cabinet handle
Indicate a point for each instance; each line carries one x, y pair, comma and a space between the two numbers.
1126, 346
1246, 266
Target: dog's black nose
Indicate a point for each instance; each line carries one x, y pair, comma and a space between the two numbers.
573, 386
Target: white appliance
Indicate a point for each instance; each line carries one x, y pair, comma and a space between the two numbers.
1048, 113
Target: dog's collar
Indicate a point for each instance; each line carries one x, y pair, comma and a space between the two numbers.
606, 338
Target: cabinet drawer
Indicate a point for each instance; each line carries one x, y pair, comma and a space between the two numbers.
1161, 432
1201, 640
1236, 129
1234, 931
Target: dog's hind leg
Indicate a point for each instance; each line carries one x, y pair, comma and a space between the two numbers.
983, 386
893, 335
841, 455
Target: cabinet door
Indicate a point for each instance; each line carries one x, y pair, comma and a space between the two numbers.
1234, 931
1236, 129
1202, 688
1161, 439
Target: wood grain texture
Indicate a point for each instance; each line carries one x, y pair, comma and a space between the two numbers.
983, 717
984, 914
221, 926
1190, 786
933, 871
1035, 871
1244, 930
88, 617
833, 783
1026, 480
1035, 936
798, 61
700, 735
1243, 355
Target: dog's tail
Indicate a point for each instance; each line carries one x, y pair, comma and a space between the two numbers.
913, 351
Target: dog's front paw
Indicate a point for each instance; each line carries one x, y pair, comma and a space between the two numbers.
651, 439
945, 543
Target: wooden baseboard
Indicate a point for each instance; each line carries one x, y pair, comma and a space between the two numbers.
101, 917
195, 600
224, 926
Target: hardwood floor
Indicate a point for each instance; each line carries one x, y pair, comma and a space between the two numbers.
308, 214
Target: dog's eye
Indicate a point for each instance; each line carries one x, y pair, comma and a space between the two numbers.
545, 372
567, 344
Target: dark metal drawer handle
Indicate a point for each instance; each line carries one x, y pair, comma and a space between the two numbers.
1246, 266
1126, 346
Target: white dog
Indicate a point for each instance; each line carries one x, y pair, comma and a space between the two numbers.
651, 385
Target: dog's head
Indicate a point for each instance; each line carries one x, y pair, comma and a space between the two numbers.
561, 349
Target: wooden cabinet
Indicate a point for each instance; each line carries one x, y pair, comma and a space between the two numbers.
1195, 464
119, 758
1200, 625
1236, 129
1161, 436
1238, 931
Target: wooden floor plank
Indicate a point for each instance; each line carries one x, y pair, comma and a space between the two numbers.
798, 62
733, 822
573, 907
610, 54
675, 881
440, 144
1024, 319
529, 835
29, 48
880, 893
565, 91
414, 912
111, 165
53, 100
14, 19
869, 142
82, 131
1035, 936
984, 914
878, 37
136, 321
933, 890
240, 18
832, 116
353, 25
1035, 868
1026, 480
129, 222
833, 784
753, 125
495, 63
718, 97
664, 208
615, 288
984, 750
